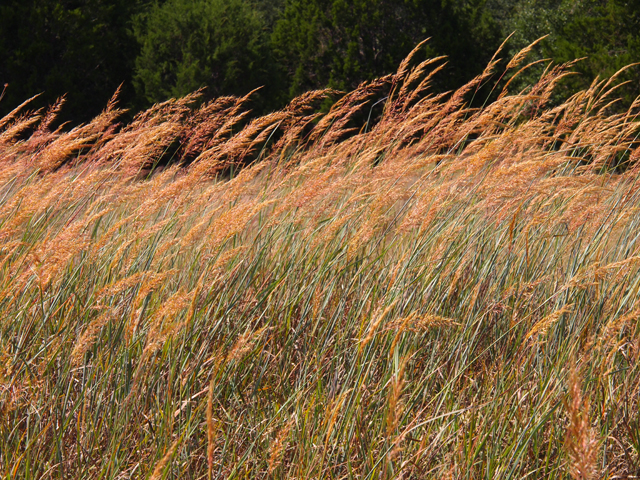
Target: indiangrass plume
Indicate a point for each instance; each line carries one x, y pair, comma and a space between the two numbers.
211, 429
86, 341
396, 407
278, 446
158, 472
541, 327
580, 443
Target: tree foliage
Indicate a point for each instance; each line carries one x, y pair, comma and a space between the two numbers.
81, 48
340, 43
189, 44
605, 34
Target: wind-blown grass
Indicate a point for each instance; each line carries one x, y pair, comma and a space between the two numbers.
438, 292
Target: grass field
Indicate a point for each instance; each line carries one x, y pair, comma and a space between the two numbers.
429, 291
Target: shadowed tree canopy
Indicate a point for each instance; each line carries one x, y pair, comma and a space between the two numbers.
605, 34
340, 43
82, 48
219, 44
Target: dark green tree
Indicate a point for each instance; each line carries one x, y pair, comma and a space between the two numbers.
605, 32
82, 48
342, 42
219, 44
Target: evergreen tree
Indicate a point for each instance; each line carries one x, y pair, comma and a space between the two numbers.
82, 48
605, 33
342, 42
218, 44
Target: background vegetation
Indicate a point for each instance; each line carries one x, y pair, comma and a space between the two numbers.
167, 48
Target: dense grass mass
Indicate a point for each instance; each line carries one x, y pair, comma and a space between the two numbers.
426, 291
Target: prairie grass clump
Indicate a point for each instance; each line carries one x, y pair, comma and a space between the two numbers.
304, 296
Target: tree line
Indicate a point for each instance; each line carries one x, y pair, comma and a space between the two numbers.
156, 50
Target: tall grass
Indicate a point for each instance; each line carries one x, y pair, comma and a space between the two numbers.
429, 291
